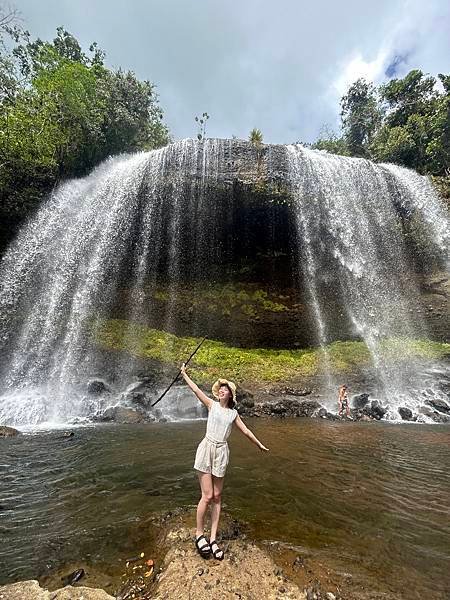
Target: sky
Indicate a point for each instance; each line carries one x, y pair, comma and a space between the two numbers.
279, 66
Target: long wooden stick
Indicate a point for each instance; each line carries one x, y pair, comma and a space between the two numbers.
178, 374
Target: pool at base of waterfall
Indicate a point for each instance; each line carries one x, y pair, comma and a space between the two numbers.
367, 499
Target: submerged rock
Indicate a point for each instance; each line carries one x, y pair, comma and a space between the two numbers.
8, 431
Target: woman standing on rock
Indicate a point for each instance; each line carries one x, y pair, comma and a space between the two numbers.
212, 456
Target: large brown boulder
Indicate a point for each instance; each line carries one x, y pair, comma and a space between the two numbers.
8, 431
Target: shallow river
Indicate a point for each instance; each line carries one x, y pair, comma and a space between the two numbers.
369, 499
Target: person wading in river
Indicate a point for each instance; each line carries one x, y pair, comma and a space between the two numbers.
343, 401
212, 456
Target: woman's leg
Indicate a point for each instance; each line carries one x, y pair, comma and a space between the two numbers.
216, 504
206, 485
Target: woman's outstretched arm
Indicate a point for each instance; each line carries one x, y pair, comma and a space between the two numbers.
194, 387
246, 431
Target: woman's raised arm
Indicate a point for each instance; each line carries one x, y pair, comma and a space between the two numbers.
194, 387
249, 434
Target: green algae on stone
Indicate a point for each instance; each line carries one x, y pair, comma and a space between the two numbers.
263, 365
213, 359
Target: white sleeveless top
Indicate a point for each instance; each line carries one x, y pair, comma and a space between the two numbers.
220, 421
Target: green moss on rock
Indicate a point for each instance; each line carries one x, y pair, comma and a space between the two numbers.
261, 365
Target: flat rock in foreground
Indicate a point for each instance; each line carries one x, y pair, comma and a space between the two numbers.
31, 590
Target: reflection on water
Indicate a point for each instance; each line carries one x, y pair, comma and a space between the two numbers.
369, 499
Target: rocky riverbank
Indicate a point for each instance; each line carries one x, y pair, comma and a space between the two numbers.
275, 401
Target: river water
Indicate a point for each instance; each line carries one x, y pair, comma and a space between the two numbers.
368, 499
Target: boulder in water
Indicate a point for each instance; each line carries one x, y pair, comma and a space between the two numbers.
8, 431
361, 400
141, 392
375, 410
406, 414
439, 405
436, 416
121, 414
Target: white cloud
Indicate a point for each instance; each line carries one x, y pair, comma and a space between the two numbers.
281, 66
356, 67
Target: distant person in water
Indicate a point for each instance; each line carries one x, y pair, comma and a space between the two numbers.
343, 401
212, 456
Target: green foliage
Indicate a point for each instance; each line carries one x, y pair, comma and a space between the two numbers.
256, 137
405, 121
61, 113
360, 115
329, 141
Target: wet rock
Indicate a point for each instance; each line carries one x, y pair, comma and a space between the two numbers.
375, 410
96, 387
278, 409
184, 577
8, 431
121, 414
436, 416
73, 577
31, 590
439, 405
365, 418
245, 398
406, 414
141, 392
361, 400
290, 391
291, 407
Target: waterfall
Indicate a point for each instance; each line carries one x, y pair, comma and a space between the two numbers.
354, 250
63, 272
172, 216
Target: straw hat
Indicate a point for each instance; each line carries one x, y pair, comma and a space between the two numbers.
230, 384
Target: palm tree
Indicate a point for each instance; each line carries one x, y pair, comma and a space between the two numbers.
256, 137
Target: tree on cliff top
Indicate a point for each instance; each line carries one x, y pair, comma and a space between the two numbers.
405, 121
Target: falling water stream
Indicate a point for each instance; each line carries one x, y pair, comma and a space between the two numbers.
138, 217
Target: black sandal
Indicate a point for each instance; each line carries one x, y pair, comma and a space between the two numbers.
205, 549
216, 552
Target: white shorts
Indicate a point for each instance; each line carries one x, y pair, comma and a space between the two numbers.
212, 457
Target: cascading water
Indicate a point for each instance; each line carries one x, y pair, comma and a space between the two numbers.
170, 214
349, 228
63, 273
